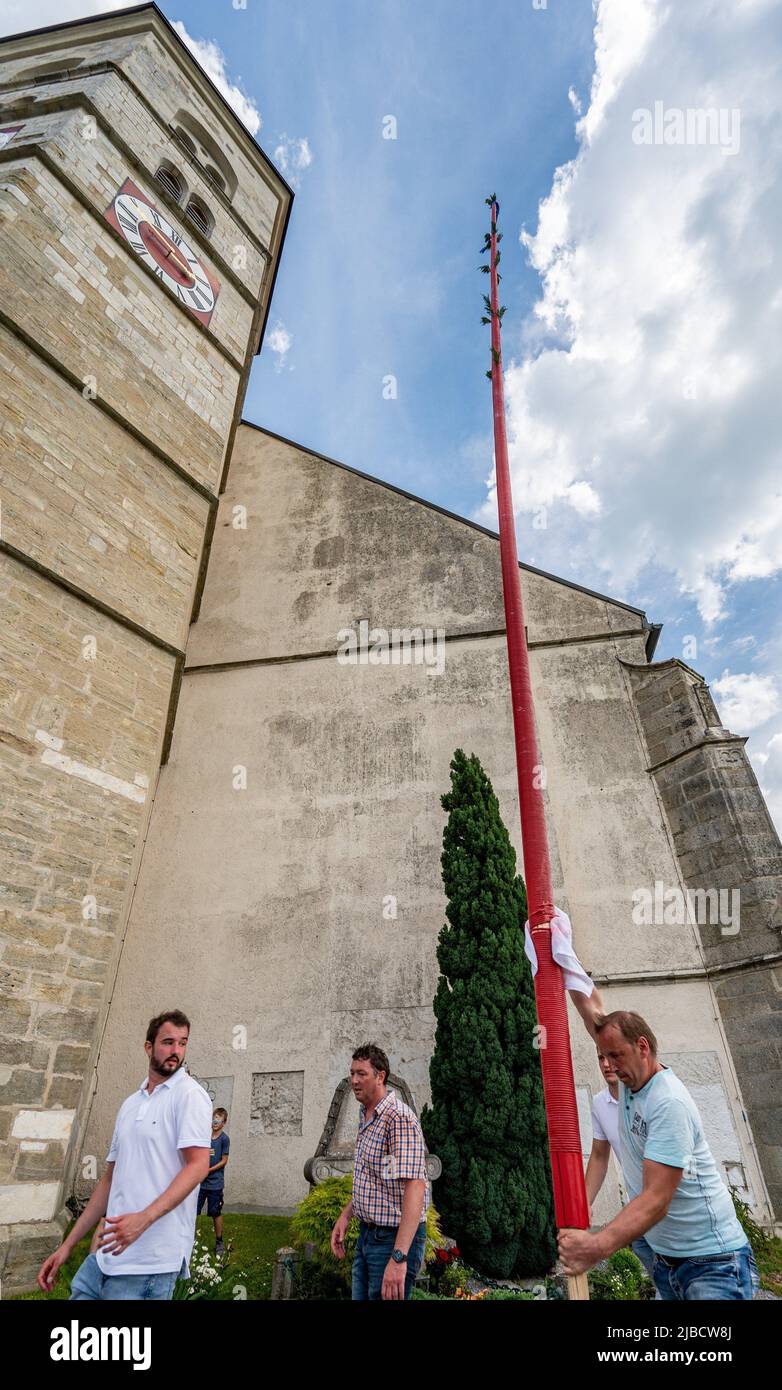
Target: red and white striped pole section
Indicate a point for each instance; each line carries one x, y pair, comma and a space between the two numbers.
571, 1207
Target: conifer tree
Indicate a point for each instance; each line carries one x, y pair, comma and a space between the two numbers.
487, 1119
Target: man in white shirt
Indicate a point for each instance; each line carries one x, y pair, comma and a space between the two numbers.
605, 1137
159, 1157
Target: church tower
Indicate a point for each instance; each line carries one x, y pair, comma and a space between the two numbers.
141, 230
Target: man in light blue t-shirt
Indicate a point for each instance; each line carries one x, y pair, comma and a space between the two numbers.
678, 1200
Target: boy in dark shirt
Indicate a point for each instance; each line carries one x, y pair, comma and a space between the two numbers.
212, 1188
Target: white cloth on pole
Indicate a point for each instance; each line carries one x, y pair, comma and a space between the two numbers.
563, 953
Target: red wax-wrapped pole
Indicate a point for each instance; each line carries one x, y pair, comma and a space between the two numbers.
570, 1200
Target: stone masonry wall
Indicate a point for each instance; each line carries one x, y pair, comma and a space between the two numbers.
725, 839
115, 425
90, 501
79, 749
145, 61
86, 300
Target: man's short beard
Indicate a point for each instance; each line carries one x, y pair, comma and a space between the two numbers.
160, 1068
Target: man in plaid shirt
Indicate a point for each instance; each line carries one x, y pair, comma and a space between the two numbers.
390, 1188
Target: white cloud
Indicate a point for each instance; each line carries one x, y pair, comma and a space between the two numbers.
17, 16
649, 372
212, 60
644, 407
292, 156
746, 701
770, 777
279, 341
583, 499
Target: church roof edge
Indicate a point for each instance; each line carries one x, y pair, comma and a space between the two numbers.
652, 630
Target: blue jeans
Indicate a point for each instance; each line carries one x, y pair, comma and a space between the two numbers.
645, 1253
373, 1251
733, 1275
89, 1281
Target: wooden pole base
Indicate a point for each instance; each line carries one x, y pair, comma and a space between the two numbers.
578, 1287
577, 1284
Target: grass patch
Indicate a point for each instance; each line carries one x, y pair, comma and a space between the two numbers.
254, 1242
767, 1248
62, 1287
769, 1262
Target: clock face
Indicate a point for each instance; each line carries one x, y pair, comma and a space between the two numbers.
164, 251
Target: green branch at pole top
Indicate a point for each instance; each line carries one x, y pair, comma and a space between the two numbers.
486, 269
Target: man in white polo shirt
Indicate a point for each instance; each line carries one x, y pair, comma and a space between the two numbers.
605, 1137
159, 1157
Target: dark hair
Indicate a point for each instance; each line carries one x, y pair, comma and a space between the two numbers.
174, 1016
370, 1052
220, 1111
630, 1025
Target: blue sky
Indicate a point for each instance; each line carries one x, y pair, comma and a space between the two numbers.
379, 274
642, 340
634, 309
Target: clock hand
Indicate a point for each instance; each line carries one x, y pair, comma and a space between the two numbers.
170, 253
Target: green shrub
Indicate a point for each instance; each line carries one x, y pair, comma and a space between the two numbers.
453, 1277
315, 1217
757, 1237
621, 1276
314, 1220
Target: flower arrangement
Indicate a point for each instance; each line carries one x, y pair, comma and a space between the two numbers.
207, 1276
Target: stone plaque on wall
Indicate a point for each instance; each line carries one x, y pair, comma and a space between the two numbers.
220, 1090
277, 1102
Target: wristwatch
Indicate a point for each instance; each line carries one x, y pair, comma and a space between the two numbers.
399, 1257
